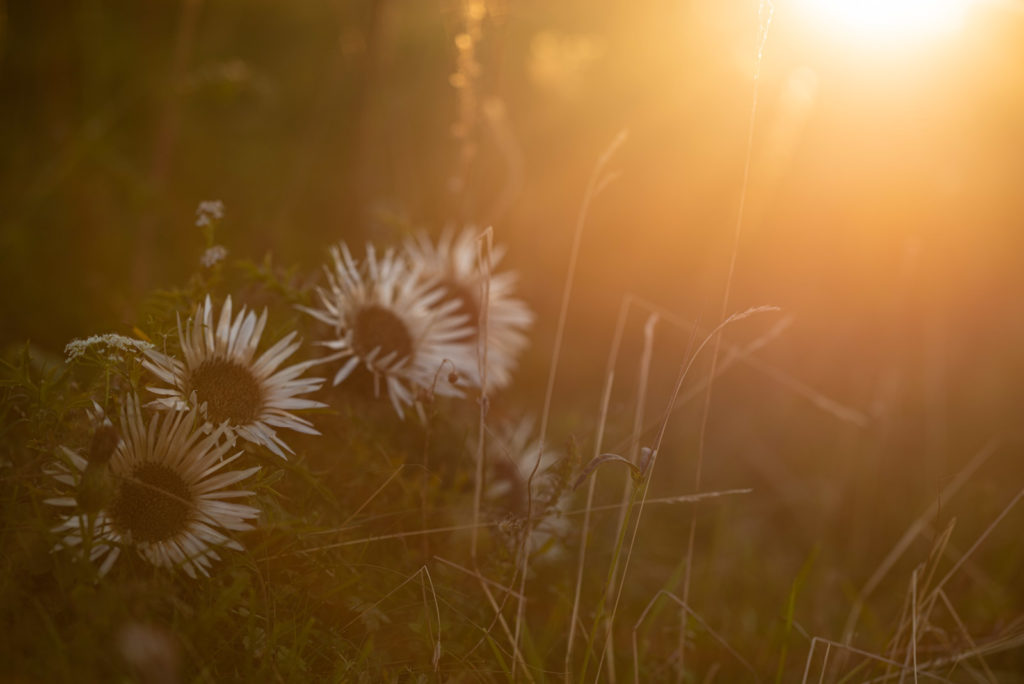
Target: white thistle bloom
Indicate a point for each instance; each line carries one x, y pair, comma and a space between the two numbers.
513, 453
220, 373
452, 263
209, 211
169, 497
213, 256
111, 346
391, 321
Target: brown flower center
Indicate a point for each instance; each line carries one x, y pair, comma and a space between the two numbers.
153, 504
229, 390
376, 327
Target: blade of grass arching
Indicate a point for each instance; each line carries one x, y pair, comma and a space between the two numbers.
420, 573
734, 354
895, 642
634, 487
913, 621
613, 356
499, 618
345, 525
911, 533
599, 180
984, 535
794, 589
661, 423
437, 614
377, 538
643, 487
977, 574
498, 656
585, 529
857, 651
299, 642
715, 635
967, 637
59, 650
810, 659
643, 375
922, 613
764, 16
599, 614
531, 653
852, 676
941, 583
684, 498
476, 574
484, 259
745, 356
995, 646
934, 557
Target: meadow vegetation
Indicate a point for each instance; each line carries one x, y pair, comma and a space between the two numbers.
748, 410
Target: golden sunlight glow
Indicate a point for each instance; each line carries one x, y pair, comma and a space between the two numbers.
889, 22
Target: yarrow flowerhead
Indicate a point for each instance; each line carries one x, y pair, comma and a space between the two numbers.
208, 212
213, 256
110, 346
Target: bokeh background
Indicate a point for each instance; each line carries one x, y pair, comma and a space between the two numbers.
884, 214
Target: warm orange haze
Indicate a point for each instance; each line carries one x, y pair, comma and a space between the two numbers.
494, 340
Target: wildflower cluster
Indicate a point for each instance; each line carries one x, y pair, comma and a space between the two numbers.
424, 320
110, 347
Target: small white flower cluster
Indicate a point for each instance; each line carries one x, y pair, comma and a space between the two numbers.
209, 211
213, 256
110, 346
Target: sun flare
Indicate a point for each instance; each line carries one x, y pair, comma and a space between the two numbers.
889, 21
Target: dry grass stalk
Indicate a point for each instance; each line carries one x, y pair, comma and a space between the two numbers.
689, 611
643, 376
599, 180
915, 528
857, 651
765, 10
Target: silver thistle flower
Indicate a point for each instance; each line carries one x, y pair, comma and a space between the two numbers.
220, 369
